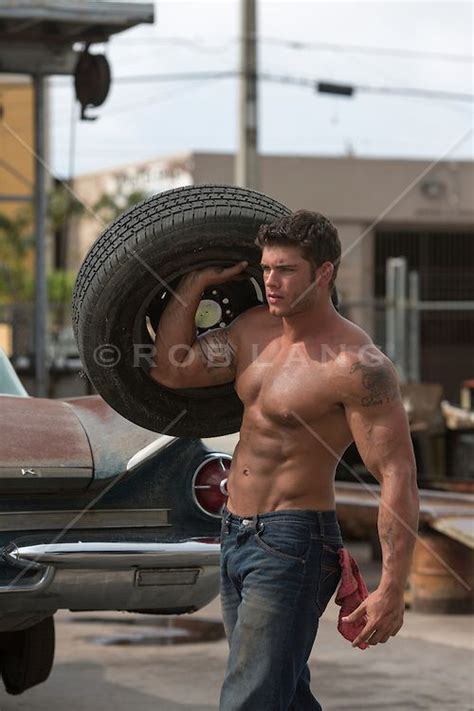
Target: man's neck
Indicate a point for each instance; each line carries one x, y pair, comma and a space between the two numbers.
309, 322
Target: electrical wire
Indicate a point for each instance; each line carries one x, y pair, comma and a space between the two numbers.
362, 49
299, 81
396, 91
176, 76
154, 98
197, 44
185, 42
161, 98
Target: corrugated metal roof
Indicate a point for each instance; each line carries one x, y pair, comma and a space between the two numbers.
68, 21
37, 36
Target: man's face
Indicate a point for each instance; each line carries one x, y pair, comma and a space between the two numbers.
286, 275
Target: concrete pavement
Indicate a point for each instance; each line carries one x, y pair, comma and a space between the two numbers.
428, 665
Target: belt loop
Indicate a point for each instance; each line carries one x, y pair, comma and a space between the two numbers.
321, 523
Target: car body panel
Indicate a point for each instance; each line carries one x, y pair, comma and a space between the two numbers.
97, 513
112, 438
10, 383
43, 446
166, 577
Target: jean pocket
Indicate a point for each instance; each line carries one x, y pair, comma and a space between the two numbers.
330, 574
284, 544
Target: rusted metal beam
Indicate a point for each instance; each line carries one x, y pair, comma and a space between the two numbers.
358, 503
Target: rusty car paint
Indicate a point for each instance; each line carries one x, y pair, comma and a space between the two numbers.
37, 432
113, 439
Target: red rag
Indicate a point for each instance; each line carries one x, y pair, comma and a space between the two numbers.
351, 592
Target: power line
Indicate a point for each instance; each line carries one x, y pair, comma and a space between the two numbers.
300, 45
185, 42
149, 101
298, 81
176, 76
362, 49
161, 98
352, 88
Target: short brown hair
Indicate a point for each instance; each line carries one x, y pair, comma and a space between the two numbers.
312, 232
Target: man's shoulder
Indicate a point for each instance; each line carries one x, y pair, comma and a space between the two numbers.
348, 342
255, 315
367, 376
246, 326
353, 334
356, 351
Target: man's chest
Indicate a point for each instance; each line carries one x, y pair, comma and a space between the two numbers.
285, 380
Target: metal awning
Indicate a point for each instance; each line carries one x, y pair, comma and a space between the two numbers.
450, 513
62, 21
457, 527
38, 35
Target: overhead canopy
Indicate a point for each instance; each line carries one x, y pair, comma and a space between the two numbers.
38, 35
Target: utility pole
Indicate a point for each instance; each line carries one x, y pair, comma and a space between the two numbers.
396, 314
41, 295
246, 164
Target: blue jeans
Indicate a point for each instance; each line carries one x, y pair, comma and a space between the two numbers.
278, 572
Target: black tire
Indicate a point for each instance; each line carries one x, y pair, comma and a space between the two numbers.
116, 289
123, 282
29, 657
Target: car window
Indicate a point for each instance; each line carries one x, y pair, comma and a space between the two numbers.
10, 383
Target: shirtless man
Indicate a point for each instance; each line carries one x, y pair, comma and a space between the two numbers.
311, 382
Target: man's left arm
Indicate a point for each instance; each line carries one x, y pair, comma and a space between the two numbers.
379, 425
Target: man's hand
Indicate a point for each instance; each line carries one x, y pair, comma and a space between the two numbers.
384, 612
211, 276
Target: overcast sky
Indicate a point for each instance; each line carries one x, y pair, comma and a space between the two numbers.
141, 121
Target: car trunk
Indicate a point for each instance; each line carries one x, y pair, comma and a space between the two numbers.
43, 447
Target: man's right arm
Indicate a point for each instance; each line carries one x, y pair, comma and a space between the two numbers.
183, 360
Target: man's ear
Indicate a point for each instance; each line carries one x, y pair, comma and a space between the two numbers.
324, 274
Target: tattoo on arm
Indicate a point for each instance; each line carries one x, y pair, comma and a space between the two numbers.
379, 381
217, 351
387, 540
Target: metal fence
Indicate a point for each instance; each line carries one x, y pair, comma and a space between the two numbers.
64, 366
18, 328
429, 339
421, 313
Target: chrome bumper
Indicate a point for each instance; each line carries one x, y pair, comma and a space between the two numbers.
166, 577
116, 556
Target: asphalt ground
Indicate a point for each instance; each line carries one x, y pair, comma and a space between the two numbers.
428, 665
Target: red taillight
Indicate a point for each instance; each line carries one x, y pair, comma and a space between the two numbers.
207, 483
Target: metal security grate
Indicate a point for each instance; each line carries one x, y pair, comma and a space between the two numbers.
444, 262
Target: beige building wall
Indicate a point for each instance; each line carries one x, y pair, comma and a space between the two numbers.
16, 161
355, 279
358, 195
150, 177
357, 189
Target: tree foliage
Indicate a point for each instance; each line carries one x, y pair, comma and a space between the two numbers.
16, 256
110, 206
17, 242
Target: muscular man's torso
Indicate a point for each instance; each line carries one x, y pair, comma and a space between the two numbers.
294, 428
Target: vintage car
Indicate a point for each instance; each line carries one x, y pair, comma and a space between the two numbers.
96, 513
